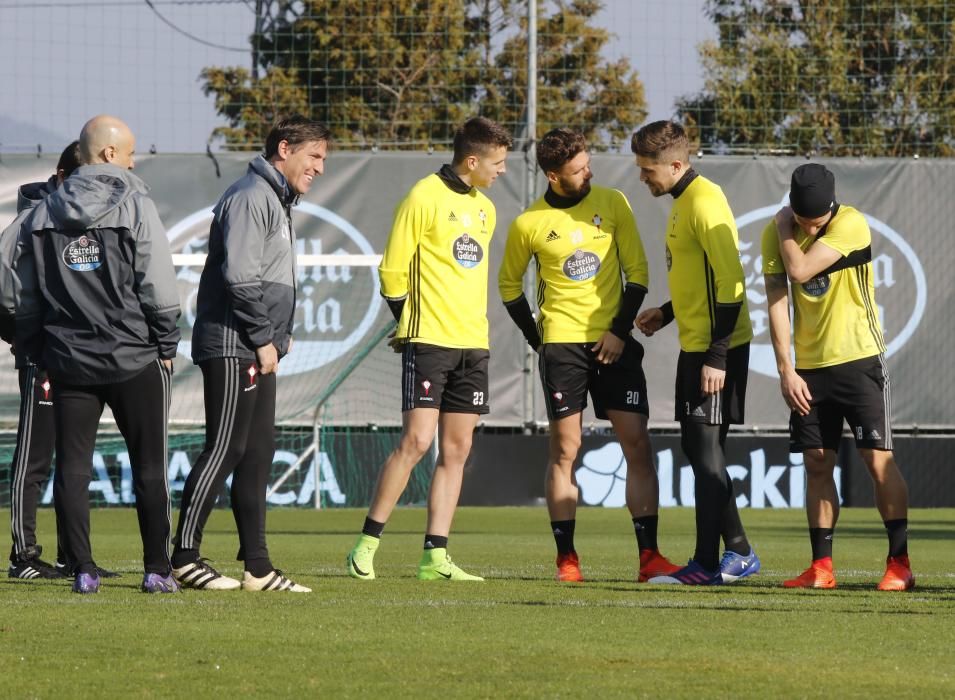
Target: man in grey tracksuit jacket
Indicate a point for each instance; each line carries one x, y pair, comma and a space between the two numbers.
33, 454
107, 335
244, 319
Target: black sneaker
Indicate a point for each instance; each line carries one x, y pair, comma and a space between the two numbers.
66, 571
32, 568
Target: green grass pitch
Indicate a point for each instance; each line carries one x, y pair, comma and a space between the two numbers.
520, 634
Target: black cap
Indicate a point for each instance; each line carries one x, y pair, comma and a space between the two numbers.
812, 191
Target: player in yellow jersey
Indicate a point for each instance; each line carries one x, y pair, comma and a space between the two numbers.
585, 243
708, 301
434, 276
825, 248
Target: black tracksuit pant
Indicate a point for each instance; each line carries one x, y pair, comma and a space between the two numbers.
140, 406
240, 440
32, 459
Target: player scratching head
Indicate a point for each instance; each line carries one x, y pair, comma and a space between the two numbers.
812, 196
480, 151
107, 139
297, 147
663, 155
563, 156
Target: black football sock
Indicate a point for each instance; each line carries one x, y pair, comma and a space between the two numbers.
435, 542
821, 540
564, 535
646, 531
898, 532
373, 528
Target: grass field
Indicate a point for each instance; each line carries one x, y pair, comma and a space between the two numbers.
520, 634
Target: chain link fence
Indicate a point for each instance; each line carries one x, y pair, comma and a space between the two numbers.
849, 77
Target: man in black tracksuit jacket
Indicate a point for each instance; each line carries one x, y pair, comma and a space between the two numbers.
107, 336
33, 454
244, 319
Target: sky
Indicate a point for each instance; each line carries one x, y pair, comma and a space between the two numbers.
63, 61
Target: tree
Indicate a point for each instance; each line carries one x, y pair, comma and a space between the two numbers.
576, 86
400, 76
850, 77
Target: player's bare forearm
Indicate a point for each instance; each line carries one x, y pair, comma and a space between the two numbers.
777, 302
793, 388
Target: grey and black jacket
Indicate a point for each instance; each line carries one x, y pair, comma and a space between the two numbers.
246, 293
109, 299
18, 295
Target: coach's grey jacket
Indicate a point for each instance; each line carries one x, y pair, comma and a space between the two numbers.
18, 294
246, 293
109, 297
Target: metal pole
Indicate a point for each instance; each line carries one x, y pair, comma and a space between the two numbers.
530, 169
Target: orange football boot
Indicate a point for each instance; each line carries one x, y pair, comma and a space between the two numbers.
652, 563
818, 575
568, 568
898, 575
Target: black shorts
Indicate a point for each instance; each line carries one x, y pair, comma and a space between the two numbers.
449, 379
725, 408
857, 392
570, 370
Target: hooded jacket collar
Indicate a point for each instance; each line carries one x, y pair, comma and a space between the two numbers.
268, 172
31, 194
91, 193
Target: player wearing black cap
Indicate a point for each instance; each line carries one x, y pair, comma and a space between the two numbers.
825, 249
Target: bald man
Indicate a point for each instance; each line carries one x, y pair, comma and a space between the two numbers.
107, 335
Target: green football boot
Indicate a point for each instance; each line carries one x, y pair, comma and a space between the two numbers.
436, 565
361, 560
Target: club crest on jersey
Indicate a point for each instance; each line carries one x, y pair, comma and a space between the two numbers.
597, 220
46, 393
83, 255
817, 286
482, 215
467, 252
582, 265
252, 372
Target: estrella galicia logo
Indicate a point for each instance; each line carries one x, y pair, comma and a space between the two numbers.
895, 266
467, 251
582, 265
83, 255
817, 286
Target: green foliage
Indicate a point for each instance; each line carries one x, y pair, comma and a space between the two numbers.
392, 75
576, 87
859, 77
252, 106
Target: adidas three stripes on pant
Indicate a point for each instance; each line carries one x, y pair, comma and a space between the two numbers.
240, 440
32, 459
